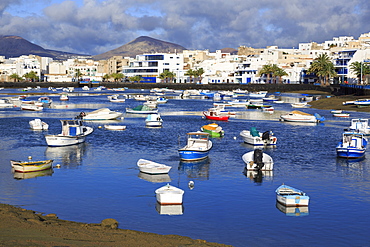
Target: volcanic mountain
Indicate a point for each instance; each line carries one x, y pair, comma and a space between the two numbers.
141, 45
15, 46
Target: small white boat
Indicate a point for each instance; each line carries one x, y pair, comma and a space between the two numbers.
101, 114
117, 98
257, 160
37, 124
30, 166
300, 105
64, 97
151, 103
5, 103
115, 127
290, 196
336, 111
73, 132
169, 195
362, 102
141, 97
238, 103
360, 125
153, 120
298, 116
151, 167
31, 107
341, 114
256, 138
161, 100
259, 94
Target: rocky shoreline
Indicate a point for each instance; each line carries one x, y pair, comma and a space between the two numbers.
21, 227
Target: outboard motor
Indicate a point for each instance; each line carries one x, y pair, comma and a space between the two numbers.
266, 135
257, 158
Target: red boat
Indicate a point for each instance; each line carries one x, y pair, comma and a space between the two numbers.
215, 115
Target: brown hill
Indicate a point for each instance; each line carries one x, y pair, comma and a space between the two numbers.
15, 46
232, 51
141, 45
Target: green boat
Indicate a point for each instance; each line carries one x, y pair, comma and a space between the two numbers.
213, 129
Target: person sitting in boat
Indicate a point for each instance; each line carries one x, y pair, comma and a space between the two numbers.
81, 115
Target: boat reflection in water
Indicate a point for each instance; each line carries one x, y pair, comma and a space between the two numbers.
26, 175
258, 176
155, 178
196, 169
67, 156
292, 211
169, 209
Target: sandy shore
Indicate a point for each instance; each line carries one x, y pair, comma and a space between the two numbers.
21, 227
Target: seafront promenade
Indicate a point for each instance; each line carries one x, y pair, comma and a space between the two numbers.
180, 86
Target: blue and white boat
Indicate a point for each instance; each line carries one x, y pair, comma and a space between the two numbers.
289, 196
153, 120
352, 145
197, 147
362, 102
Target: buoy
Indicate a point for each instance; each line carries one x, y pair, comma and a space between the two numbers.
234, 137
30, 157
191, 184
57, 166
99, 127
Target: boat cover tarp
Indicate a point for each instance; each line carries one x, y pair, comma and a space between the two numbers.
301, 113
142, 108
254, 132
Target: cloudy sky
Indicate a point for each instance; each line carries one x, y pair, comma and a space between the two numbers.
96, 26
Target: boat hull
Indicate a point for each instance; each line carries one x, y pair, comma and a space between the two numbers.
250, 165
257, 141
350, 153
151, 167
193, 154
25, 167
218, 118
169, 195
60, 140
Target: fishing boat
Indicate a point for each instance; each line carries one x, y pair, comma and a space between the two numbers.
153, 120
37, 124
151, 167
197, 147
270, 98
169, 195
161, 100
238, 103
298, 116
213, 129
257, 160
352, 145
256, 138
73, 132
117, 98
141, 109
31, 166
114, 127
360, 125
46, 101
336, 111
215, 114
100, 114
291, 197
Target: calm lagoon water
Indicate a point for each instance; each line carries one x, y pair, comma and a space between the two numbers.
99, 179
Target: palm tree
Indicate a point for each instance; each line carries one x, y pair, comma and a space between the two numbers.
278, 72
198, 73
106, 77
323, 68
15, 77
78, 74
117, 76
190, 73
135, 78
267, 70
32, 76
360, 69
165, 75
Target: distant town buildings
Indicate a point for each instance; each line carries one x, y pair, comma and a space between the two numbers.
218, 67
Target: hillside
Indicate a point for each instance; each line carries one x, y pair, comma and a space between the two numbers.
15, 46
142, 44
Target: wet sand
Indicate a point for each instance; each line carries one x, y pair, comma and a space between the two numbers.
21, 227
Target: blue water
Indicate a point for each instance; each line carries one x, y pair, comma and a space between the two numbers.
99, 179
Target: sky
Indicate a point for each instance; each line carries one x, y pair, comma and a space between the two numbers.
96, 26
